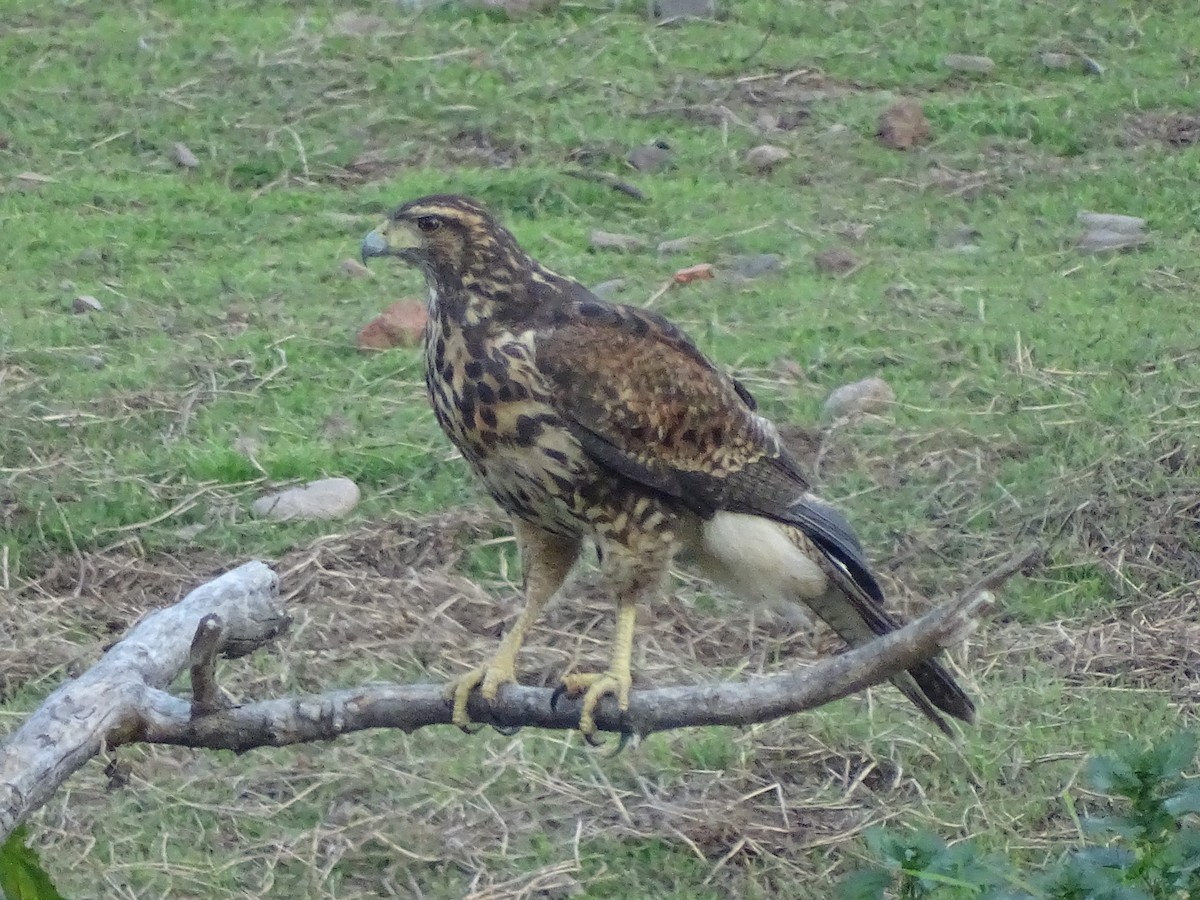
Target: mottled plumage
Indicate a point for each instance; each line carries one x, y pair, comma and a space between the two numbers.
585, 419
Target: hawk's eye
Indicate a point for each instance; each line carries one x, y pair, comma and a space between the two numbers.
429, 223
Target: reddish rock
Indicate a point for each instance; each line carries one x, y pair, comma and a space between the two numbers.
903, 125
400, 325
836, 261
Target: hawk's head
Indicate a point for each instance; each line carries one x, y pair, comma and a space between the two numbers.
452, 240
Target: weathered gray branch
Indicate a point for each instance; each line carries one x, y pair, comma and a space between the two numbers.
105, 705
121, 700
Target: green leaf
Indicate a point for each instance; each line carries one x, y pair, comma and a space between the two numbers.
865, 884
1112, 775
21, 874
1171, 756
1186, 801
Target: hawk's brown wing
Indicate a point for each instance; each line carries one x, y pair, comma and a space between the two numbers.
646, 403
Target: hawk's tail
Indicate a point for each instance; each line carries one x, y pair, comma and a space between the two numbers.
811, 556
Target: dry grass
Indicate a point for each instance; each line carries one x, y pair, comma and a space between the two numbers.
753, 809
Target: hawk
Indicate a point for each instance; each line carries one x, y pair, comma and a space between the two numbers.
591, 420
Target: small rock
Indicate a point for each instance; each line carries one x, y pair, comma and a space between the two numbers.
607, 240
1102, 241
747, 268
765, 157
678, 245
871, 395
1059, 61
249, 447
90, 256
354, 269
1090, 66
607, 290
701, 272
356, 24
960, 62
666, 12
962, 238
1111, 222
184, 156
650, 158
93, 362
903, 125
400, 325
1111, 231
836, 261
84, 304
326, 498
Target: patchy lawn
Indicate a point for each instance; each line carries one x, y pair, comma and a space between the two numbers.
1043, 393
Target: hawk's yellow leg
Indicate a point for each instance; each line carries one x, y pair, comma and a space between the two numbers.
545, 560
616, 681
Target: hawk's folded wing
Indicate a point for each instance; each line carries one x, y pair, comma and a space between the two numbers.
646, 403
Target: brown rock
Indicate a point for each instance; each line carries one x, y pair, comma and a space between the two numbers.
400, 325
903, 125
836, 261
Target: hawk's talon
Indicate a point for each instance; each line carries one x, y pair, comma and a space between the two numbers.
470, 728
557, 695
488, 679
506, 730
593, 687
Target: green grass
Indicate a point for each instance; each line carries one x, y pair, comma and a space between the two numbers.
1043, 394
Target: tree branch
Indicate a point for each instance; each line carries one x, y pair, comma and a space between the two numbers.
121, 700
105, 704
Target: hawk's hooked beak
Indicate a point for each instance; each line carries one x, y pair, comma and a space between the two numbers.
374, 244
389, 239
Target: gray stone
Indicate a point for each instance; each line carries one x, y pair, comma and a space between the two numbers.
650, 158
184, 156
961, 62
1099, 240
668, 11
1111, 222
326, 498
678, 245
765, 157
746, 268
607, 240
871, 395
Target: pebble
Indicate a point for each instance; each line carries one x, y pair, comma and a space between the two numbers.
871, 395
326, 498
